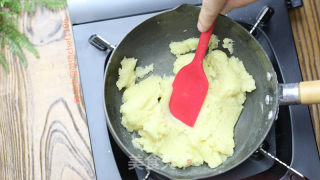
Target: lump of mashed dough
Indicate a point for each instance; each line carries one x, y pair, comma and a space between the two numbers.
127, 76
228, 44
143, 71
178, 48
145, 109
182, 61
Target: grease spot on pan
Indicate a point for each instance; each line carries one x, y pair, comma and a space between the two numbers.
270, 115
269, 76
268, 99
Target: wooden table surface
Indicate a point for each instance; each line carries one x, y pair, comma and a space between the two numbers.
43, 127
305, 22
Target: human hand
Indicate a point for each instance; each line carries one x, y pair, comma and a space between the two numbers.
211, 8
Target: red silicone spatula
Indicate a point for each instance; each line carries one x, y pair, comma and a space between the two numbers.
190, 85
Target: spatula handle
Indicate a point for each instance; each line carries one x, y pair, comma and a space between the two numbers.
203, 45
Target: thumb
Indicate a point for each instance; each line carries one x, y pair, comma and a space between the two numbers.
209, 12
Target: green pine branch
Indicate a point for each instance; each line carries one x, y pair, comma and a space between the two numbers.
10, 36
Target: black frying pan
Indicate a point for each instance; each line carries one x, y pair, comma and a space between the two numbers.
149, 42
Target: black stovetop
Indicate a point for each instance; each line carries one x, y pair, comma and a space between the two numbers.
291, 138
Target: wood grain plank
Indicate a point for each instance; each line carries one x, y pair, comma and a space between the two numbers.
305, 23
43, 129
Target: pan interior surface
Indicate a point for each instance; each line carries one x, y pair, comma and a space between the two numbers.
149, 43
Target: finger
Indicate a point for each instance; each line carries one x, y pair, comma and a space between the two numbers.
209, 12
226, 9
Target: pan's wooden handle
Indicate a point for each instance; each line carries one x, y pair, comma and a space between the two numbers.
309, 92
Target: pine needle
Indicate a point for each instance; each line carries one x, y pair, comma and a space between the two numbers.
4, 62
16, 49
24, 42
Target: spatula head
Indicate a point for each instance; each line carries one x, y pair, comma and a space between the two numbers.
190, 87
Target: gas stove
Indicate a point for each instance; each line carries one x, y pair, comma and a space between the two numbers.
291, 139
